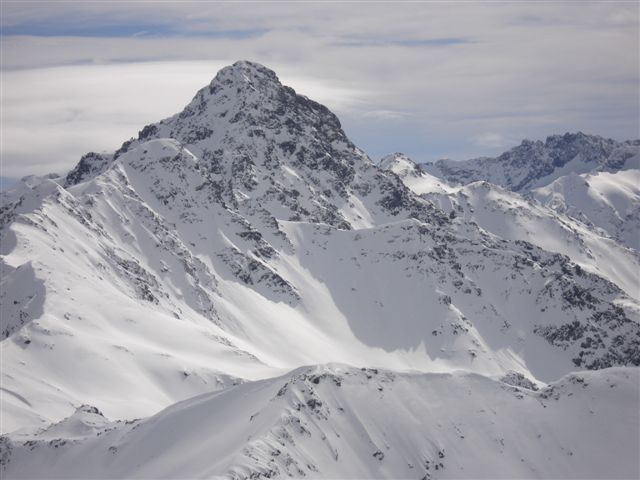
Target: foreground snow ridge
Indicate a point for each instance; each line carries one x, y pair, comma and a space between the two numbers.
161, 305
341, 422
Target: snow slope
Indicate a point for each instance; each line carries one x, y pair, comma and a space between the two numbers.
607, 200
547, 221
340, 422
413, 176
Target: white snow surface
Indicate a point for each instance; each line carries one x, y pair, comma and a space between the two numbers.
418, 180
607, 200
246, 237
339, 422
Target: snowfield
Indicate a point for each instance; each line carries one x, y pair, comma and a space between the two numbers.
609, 201
339, 422
161, 305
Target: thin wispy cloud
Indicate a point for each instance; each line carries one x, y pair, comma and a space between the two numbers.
403, 42
490, 140
430, 79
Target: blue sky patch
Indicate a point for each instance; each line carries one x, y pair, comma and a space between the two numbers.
56, 29
409, 42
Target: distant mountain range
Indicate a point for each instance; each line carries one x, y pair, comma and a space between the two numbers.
534, 164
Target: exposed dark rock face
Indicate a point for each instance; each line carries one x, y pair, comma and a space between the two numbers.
89, 166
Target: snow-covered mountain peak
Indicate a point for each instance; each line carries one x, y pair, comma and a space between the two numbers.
413, 175
244, 79
245, 85
244, 112
249, 95
249, 72
260, 145
400, 164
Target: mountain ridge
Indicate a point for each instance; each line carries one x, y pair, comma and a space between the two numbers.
534, 164
603, 200
334, 420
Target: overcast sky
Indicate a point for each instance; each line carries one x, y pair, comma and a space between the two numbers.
431, 79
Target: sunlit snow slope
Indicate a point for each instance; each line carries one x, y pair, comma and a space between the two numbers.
340, 422
607, 200
551, 217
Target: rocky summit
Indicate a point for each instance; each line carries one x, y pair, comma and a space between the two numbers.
241, 292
